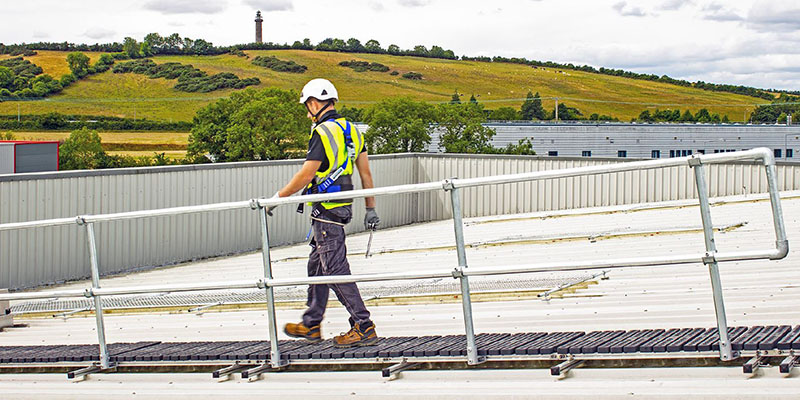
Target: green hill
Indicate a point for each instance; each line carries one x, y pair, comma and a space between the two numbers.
494, 84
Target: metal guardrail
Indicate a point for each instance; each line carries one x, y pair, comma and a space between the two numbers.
711, 257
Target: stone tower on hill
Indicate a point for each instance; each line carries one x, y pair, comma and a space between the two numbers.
259, 20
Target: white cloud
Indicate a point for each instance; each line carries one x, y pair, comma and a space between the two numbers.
628, 11
270, 5
375, 5
98, 33
718, 12
672, 5
772, 16
40, 34
413, 3
186, 6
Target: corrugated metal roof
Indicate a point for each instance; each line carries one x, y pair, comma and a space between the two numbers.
755, 292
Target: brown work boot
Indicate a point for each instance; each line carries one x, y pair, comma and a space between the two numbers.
312, 334
356, 337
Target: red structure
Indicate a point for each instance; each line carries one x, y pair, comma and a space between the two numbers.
20, 156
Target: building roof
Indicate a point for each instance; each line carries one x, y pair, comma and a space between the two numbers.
755, 293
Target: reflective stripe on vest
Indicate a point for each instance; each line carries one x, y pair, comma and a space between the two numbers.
332, 136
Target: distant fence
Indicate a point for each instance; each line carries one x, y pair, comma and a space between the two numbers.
40, 256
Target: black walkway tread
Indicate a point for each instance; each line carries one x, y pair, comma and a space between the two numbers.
670, 340
791, 340
510, 344
588, 343
771, 337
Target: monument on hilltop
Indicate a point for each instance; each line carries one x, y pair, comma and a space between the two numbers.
259, 20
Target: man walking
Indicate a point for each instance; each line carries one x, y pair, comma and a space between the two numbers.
335, 148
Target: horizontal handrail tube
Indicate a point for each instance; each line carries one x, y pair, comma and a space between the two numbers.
760, 153
38, 224
610, 168
450, 273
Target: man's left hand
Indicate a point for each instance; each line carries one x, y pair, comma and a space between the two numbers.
371, 219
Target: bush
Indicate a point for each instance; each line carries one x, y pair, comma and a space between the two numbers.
412, 75
189, 78
275, 64
81, 150
55, 121
363, 66
394, 73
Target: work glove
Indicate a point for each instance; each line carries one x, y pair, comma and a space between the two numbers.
371, 219
270, 208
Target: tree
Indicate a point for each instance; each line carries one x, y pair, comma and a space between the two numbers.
173, 44
687, 117
702, 116
462, 129
78, 64
532, 107
398, 125
131, 47
252, 124
373, 46
504, 114
354, 45
472, 99
393, 49
566, 113
81, 150
523, 147
456, 98
154, 43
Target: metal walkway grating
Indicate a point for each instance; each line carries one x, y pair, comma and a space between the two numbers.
611, 343
369, 291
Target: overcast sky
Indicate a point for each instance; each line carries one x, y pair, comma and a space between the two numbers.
750, 42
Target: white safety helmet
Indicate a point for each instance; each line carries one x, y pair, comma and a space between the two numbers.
320, 89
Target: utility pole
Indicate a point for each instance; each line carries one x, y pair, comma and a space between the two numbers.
18, 103
556, 112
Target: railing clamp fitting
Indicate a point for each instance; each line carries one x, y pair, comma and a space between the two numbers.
80, 220
88, 293
448, 184
261, 284
710, 258
695, 161
254, 204
458, 273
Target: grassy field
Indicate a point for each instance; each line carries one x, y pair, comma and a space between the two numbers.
127, 143
494, 84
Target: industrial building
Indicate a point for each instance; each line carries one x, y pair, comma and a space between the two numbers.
620, 140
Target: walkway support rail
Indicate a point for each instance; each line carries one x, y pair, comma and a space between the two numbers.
711, 257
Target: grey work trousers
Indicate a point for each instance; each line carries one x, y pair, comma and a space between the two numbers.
329, 257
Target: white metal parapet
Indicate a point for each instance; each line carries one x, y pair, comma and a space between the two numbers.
460, 270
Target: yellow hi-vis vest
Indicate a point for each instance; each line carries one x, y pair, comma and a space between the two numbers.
332, 134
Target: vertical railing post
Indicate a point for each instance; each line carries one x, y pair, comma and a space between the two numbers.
274, 352
777, 212
98, 306
466, 302
725, 350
